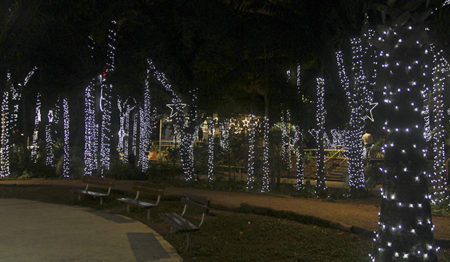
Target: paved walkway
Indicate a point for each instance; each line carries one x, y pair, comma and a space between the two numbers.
35, 231
349, 213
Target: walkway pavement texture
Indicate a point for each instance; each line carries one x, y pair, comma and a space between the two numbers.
35, 231
349, 213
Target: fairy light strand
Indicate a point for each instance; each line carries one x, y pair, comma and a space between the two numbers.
66, 124
90, 130
182, 128
4, 154
298, 138
266, 163
321, 187
106, 102
49, 142
437, 177
251, 153
37, 120
211, 129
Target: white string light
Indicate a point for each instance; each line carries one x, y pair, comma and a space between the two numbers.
185, 129
266, 163
360, 101
211, 129
251, 153
135, 136
224, 129
106, 102
405, 226
320, 120
5, 128
49, 143
123, 134
147, 119
299, 152
90, 130
285, 137
437, 177
37, 120
298, 138
66, 123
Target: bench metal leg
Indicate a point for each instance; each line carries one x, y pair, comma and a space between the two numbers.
148, 213
79, 197
101, 201
128, 209
188, 241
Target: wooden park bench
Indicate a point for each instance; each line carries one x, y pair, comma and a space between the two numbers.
179, 223
144, 187
95, 182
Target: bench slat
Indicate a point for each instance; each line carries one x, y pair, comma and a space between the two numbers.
179, 223
136, 202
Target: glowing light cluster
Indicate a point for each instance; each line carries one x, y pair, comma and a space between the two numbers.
320, 120
405, 226
266, 164
211, 129
90, 130
66, 124
49, 143
4, 146
438, 181
251, 153
37, 120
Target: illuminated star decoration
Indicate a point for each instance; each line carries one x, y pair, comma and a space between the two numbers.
370, 115
172, 113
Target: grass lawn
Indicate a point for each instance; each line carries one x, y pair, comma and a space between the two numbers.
228, 236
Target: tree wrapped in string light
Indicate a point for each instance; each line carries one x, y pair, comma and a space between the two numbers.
437, 177
321, 187
211, 129
298, 137
224, 129
4, 146
405, 224
299, 148
251, 153
66, 125
147, 119
266, 164
37, 120
185, 129
90, 130
360, 100
49, 143
106, 102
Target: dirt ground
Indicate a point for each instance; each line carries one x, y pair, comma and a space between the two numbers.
359, 213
